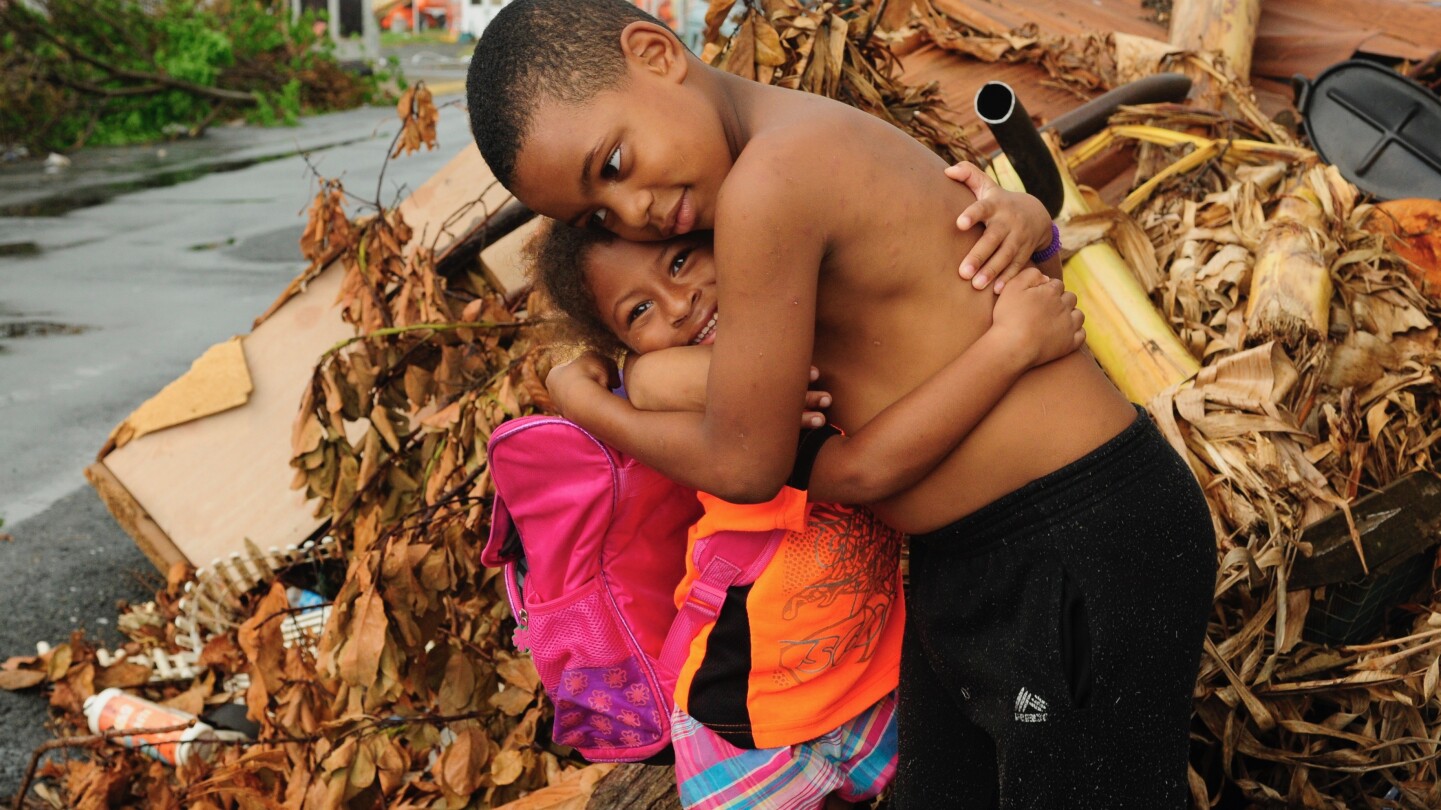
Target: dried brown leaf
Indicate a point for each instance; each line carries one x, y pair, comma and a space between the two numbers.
124, 675
460, 766
14, 680
366, 638
507, 767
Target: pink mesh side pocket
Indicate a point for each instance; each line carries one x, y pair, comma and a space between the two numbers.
574, 632
605, 706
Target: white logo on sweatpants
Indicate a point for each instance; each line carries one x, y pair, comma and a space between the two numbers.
1030, 707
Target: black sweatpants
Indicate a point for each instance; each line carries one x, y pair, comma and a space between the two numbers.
1053, 639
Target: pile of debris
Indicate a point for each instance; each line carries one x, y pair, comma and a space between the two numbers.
376, 668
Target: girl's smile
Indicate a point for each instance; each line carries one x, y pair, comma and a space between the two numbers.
655, 295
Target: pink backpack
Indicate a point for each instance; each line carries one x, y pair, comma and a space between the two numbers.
593, 546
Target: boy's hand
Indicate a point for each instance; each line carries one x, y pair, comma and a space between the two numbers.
1016, 225
589, 369
1038, 318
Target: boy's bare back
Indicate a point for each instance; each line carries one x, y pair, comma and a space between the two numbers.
820, 184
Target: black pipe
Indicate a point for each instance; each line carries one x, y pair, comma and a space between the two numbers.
1018, 138
1091, 117
998, 106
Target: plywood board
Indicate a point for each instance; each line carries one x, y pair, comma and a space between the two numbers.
212, 483
455, 202
1293, 36
502, 263
133, 518
208, 485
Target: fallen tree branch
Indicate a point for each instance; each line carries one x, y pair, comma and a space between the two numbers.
88, 741
126, 73
108, 92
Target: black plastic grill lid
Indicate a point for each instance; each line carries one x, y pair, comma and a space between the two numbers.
1382, 130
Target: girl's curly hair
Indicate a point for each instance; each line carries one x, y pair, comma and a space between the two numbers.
556, 256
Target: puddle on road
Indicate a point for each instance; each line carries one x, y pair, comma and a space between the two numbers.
68, 201
27, 329
211, 245
19, 249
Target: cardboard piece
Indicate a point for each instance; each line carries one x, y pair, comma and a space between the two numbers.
217, 381
196, 491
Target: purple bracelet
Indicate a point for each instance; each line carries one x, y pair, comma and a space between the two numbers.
1051, 249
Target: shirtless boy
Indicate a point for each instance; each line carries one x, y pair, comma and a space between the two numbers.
1062, 677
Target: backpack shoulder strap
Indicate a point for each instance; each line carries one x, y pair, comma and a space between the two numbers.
706, 597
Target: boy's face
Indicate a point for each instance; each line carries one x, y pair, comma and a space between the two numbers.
655, 295
644, 161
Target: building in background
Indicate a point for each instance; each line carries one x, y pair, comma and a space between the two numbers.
685, 17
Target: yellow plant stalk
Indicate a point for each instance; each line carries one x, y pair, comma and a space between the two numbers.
1231, 150
1134, 345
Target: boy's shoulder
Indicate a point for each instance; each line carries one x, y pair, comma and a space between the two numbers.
792, 167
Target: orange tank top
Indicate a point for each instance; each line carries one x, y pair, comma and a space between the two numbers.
814, 641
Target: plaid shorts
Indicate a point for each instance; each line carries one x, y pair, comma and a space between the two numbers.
855, 762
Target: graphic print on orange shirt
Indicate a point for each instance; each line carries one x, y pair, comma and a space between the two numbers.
837, 590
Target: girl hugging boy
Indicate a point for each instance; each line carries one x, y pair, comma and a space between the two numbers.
787, 699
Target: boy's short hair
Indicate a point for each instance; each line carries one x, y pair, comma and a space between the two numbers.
557, 256
567, 50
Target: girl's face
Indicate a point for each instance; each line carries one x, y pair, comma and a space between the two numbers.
655, 295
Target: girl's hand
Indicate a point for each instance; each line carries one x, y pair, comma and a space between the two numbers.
1016, 226
816, 403
588, 370
1038, 318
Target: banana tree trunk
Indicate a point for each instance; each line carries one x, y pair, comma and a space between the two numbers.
1224, 26
1290, 295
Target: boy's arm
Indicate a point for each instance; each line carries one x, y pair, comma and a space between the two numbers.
1036, 322
770, 247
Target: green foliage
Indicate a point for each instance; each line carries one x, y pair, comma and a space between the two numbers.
111, 72
282, 107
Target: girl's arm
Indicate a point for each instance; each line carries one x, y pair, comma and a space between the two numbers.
675, 380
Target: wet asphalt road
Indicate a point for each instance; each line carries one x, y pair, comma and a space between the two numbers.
103, 305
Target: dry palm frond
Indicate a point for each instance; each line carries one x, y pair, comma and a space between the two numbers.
827, 48
1083, 64
1279, 436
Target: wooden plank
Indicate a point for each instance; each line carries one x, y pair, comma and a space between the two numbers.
207, 485
502, 263
1401, 520
1056, 17
133, 518
961, 77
